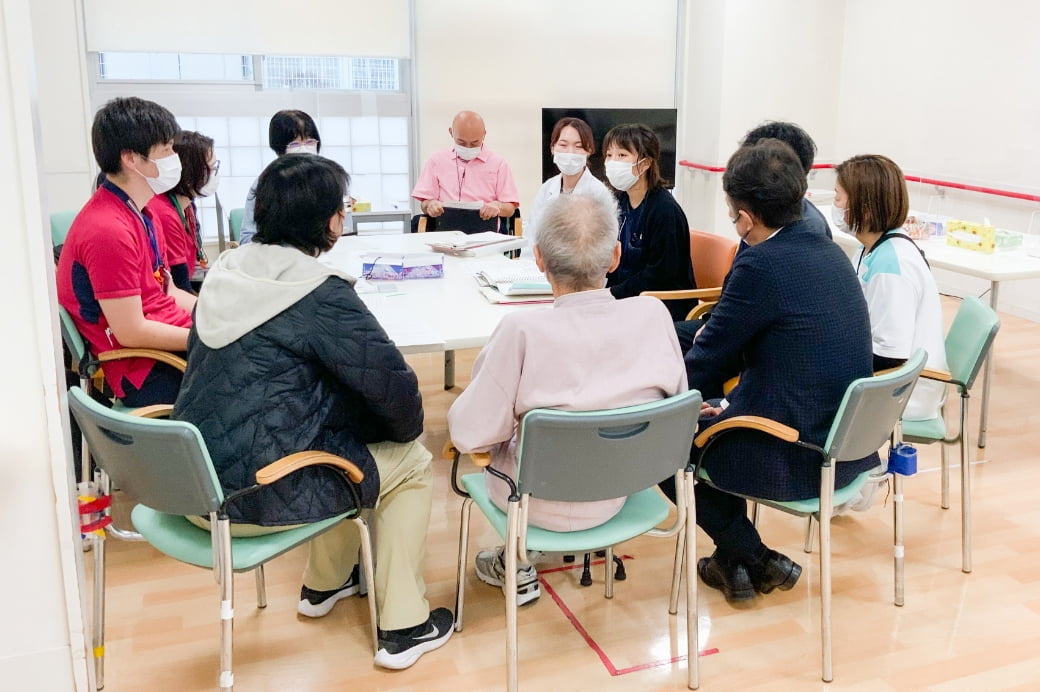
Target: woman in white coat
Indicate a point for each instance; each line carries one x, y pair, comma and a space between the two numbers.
571, 145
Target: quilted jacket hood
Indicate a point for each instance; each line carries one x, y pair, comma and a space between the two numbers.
251, 284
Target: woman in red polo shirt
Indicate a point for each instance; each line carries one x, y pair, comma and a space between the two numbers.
175, 211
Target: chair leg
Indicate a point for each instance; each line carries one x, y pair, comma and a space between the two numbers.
586, 571
227, 605
826, 509
965, 490
512, 653
608, 573
897, 535
261, 587
944, 455
809, 534
692, 624
680, 548
99, 610
460, 577
368, 568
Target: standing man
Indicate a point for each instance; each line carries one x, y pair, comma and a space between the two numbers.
112, 276
468, 172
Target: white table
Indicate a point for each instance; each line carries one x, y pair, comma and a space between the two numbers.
427, 315
1009, 265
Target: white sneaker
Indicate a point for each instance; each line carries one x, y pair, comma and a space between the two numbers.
491, 569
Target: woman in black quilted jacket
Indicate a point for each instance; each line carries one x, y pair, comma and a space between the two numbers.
284, 357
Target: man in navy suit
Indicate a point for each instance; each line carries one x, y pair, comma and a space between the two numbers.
812, 220
792, 322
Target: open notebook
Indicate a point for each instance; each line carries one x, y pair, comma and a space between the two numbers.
514, 278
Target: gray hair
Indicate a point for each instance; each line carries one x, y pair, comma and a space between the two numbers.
576, 239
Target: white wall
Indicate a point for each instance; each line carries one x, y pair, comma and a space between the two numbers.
747, 62
509, 60
68, 163
947, 89
41, 643
271, 27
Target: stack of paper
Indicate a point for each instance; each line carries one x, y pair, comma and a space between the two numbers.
475, 244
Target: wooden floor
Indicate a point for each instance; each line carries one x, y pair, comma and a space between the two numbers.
978, 631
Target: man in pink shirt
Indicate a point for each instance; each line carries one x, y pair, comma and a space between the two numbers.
572, 357
468, 172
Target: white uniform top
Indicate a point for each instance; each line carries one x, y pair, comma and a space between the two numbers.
905, 315
588, 184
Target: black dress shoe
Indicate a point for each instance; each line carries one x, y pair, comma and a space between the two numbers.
776, 571
732, 580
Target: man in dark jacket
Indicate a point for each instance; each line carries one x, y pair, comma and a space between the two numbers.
284, 357
793, 324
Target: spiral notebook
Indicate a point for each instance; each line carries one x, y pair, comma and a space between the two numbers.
514, 278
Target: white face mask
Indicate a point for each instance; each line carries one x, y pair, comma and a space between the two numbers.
211, 185
169, 174
570, 164
620, 174
302, 149
838, 217
466, 153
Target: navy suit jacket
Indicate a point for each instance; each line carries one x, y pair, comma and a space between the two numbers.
793, 323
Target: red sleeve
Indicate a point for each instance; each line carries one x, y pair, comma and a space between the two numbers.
115, 259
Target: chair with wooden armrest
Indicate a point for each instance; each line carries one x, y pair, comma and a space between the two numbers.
583, 456
865, 419
164, 466
968, 343
712, 256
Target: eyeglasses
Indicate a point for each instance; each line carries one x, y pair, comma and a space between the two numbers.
305, 143
216, 166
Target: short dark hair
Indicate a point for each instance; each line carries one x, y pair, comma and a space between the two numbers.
640, 139
588, 142
295, 198
287, 126
876, 188
129, 124
194, 150
766, 180
788, 133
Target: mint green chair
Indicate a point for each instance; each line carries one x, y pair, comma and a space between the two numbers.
235, 223
968, 343
89, 367
61, 221
865, 419
582, 457
164, 466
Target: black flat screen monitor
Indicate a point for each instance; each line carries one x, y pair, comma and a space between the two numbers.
661, 120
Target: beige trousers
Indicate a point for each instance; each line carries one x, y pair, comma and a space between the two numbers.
401, 517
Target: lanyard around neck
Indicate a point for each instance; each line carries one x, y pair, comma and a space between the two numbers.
149, 229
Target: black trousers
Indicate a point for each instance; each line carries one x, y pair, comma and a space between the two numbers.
724, 518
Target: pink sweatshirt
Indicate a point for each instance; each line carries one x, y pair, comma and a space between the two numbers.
589, 351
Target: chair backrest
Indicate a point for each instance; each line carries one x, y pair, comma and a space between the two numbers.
870, 408
582, 456
235, 223
61, 221
71, 337
712, 256
972, 333
162, 464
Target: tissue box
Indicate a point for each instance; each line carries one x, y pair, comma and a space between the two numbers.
924, 226
396, 267
971, 236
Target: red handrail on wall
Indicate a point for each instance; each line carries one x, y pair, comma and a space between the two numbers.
910, 178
